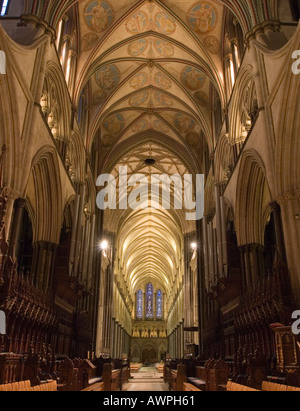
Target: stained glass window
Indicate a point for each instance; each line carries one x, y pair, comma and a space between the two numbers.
139, 304
4, 7
159, 305
149, 301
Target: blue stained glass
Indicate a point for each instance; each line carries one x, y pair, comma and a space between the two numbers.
139, 304
4, 7
159, 305
149, 301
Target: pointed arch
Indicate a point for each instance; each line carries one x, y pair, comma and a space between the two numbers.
47, 195
253, 200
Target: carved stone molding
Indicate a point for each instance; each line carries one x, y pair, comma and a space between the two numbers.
289, 196
28, 19
261, 29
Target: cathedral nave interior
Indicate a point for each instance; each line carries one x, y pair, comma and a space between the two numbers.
121, 298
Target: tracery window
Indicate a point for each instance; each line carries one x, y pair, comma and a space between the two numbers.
149, 301
139, 304
159, 305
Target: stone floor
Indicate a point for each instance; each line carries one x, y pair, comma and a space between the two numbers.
147, 379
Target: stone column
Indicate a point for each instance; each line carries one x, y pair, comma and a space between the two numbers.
79, 230
205, 252
85, 250
101, 304
91, 251
211, 254
19, 207
44, 254
67, 41
215, 254
290, 210
246, 265
224, 237
235, 63
11, 198
243, 269
72, 63
219, 230
278, 229
253, 264
74, 231
257, 262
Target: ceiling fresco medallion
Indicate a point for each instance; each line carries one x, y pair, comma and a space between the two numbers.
107, 140
163, 99
193, 139
138, 99
99, 15
140, 125
201, 98
162, 81
203, 17
184, 123
192, 78
139, 80
99, 97
138, 47
212, 44
164, 48
137, 23
89, 41
158, 125
108, 77
114, 124
164, 23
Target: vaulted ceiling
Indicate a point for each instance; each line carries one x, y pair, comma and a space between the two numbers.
151, 66
153, 70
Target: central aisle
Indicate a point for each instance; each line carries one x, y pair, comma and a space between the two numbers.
147, 379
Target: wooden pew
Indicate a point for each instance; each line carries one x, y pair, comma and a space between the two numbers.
212, 377
95, 387
199, 380
190, 387
160, 368
134, 368
125, 375
49, 386
68, 380
11, 368
176, 378
112, 379
233, 387
273, 387
218, 375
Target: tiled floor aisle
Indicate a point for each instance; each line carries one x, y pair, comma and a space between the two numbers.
148, 379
